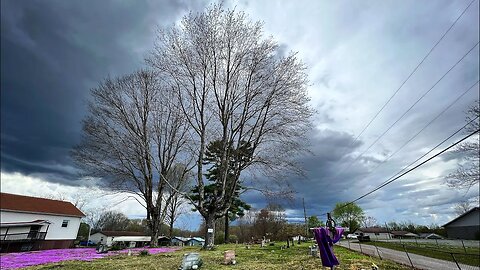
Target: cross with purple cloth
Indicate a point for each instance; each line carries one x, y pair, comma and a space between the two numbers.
325, 243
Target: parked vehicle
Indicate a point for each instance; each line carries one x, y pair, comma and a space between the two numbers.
363, 238
352, 236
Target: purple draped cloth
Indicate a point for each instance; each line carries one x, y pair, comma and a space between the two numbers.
325, 245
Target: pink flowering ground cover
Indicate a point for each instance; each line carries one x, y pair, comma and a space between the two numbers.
24, 259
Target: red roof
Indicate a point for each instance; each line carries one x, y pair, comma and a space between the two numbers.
13, 202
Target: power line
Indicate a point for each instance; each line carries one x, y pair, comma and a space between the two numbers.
410, 108
400, 174
424, 127
413, 72
422, 163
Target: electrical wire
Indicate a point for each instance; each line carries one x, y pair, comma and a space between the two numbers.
413, 72
424, 127
399, 174
410, 108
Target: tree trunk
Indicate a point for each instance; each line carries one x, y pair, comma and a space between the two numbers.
170, 231
210, 236
154, 229
154, 239
227, 229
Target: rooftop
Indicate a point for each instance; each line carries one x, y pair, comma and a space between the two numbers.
373, 230
20, 203
122, 233
462, 215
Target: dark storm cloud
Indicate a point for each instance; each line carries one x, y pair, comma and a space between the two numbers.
324, 179
52, 53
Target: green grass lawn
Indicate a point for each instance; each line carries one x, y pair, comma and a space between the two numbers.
440, 252
254, 258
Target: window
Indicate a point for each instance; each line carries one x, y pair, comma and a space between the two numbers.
65, 223
377, 233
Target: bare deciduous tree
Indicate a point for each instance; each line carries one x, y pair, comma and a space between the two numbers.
369, 221
132, 137
467, 174
464, 206
235, 86
81, 197
179, 183
112, 221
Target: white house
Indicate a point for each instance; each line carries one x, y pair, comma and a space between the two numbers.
195, 241
179, 241
30, 223
430, 236
404, 234
465, 226
109, 237
374, 233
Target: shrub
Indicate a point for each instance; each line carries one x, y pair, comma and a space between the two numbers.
116, 247
144, 253
233, 238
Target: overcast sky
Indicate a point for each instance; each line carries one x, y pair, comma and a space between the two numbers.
358, 53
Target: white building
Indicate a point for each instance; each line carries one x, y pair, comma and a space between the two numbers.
195, 241
430, 236
179, 241
374, 233
109, 237
30, 223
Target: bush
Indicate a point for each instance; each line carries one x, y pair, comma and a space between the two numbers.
233, 238
144, 253
117, 247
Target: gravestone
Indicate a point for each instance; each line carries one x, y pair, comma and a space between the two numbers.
101, 249
229, 257
191, 261
313, 251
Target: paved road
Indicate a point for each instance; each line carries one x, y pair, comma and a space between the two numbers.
440, 242
419, 262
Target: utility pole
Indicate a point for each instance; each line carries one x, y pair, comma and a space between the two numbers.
305, 215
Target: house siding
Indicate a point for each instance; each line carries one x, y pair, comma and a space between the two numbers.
55, 229
464, 232
375, 236
176, 242
466, 227
192, 242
